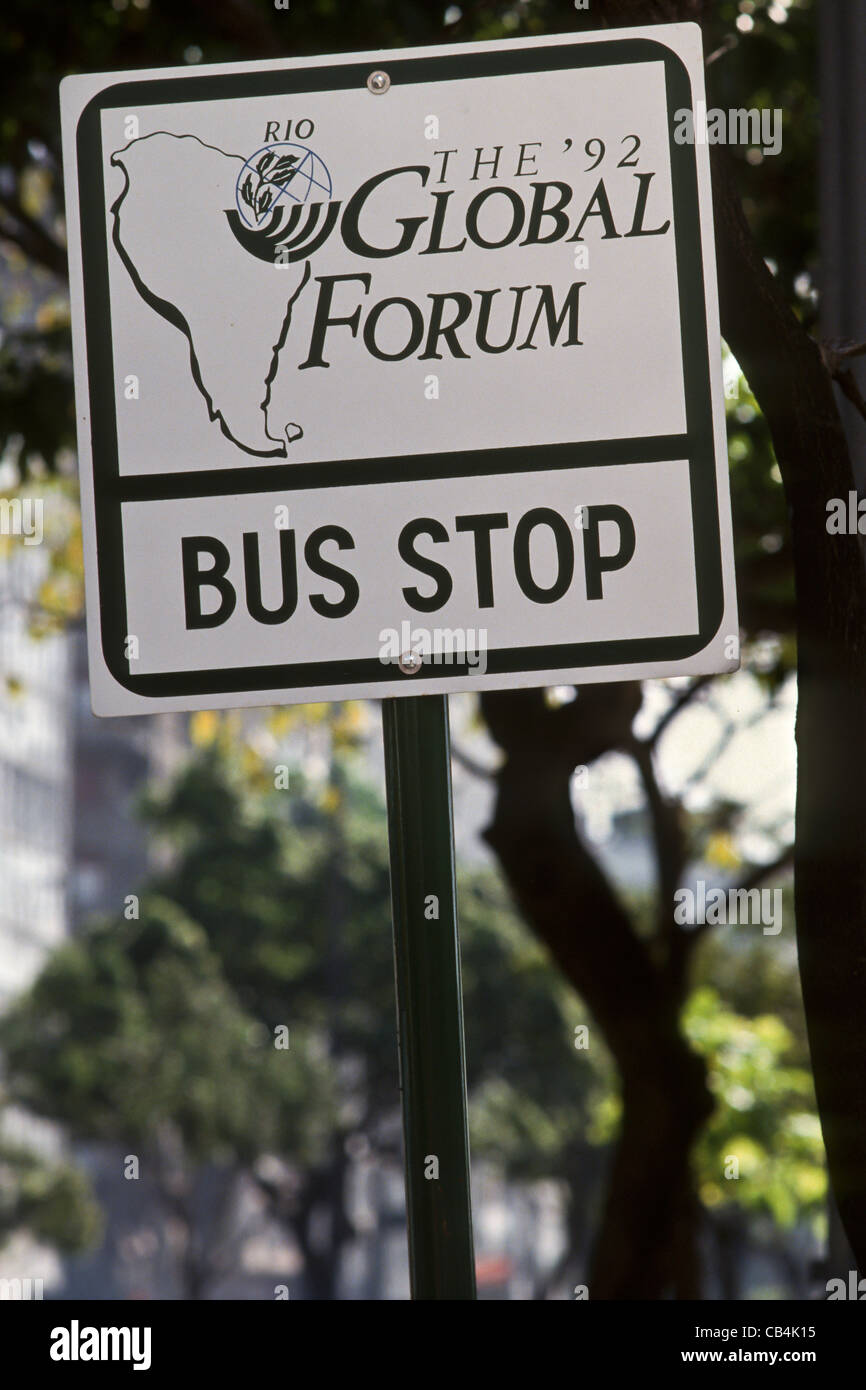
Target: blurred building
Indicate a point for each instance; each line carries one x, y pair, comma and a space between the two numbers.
70, 848
35, 823
35, 784
113, 760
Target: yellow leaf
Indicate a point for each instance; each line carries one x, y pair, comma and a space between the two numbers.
204, 727
721, 851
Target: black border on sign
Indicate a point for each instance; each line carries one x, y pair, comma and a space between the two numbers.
111, 489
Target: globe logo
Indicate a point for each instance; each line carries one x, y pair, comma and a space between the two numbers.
277, 178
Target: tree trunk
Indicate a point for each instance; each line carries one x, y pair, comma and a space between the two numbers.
789, 378
322, 1227
565, 896
567, 900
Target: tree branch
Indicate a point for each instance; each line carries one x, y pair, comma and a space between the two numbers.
31, 237
684, 698
670, 848
761, 872
471, 765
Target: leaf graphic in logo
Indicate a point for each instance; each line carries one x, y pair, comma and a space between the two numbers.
265, 162
263, 201
284, 170
247, 191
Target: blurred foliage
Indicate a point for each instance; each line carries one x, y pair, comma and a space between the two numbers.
765, 1116
132, 1025
37, 419
274, 911
53, 1202
745, 1018
293, 892
44, 576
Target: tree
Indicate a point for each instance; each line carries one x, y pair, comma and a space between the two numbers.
131, 1036
240, 1028
51, 1201
238, 1033
640, 1250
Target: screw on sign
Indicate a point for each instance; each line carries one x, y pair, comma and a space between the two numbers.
378, 82
410, 663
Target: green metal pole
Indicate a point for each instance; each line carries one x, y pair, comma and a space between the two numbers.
429, 997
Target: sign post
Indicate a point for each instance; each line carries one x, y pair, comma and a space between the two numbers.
399, 375
429, 997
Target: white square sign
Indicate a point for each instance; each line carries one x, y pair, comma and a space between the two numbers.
398, 373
